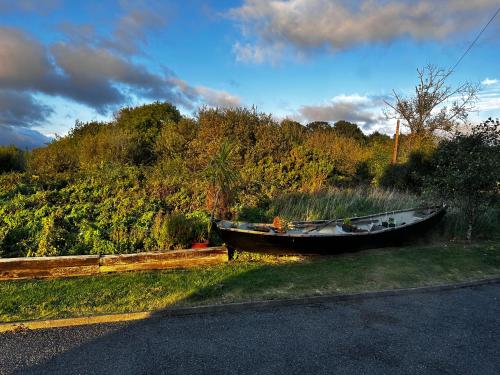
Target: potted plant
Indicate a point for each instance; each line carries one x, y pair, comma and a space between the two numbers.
280, 224
347, 226
392, 222
200, 229
199, 244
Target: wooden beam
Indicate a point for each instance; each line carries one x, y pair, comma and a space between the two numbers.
395, 149
86, 265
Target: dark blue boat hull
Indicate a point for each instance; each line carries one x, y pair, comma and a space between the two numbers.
333, 244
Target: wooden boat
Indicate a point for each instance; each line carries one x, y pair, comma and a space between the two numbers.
330, 236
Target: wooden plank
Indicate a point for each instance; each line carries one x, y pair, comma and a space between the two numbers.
107, 260
83, 265
45, 263
165, 264
29, 273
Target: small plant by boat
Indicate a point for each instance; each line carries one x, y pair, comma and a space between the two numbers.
347, 225
280, 224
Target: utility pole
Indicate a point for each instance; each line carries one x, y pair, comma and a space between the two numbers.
395, 149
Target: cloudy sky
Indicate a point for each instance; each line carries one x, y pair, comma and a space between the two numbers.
62, 61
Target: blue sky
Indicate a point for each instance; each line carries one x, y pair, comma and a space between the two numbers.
63, 61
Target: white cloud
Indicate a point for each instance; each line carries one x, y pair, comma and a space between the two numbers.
217, 98
257, 54
353, 98
338, 24
365, 111
489, 82
205, 95
489, 100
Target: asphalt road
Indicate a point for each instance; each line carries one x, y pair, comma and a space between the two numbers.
450, 332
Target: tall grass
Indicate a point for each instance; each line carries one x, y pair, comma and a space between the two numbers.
455, 224
335, 204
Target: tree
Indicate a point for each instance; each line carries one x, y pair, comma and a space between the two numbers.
174, 138
293, 132
141, 126
349, 130
435, 105
11, 159
221, 175
409, 176
377, 137
467, 170
318, 126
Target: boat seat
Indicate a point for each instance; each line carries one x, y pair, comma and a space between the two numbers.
260, 228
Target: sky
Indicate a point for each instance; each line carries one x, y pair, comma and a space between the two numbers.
308, 60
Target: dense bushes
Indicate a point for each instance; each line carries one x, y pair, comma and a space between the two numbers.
466, 171
409, 176
11, 159
146, 180
104, 212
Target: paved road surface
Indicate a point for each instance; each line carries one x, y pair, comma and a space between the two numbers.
451, 332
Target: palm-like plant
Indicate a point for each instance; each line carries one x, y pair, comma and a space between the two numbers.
221, 174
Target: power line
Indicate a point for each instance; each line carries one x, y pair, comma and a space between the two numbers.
475, 40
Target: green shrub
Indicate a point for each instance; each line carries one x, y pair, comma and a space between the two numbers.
467, 171
51, 239
409, 176
180, 231
254, 214
12, 159
199, 221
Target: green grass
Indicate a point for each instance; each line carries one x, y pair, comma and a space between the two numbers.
249, 278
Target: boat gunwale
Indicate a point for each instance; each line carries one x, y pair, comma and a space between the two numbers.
440, 208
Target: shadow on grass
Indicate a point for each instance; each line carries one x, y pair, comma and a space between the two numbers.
97, 349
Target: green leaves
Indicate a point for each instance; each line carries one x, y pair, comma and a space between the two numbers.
467, 170
220, 171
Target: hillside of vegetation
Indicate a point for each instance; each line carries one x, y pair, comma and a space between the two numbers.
142, 181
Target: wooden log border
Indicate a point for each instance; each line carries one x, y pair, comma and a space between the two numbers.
86, 265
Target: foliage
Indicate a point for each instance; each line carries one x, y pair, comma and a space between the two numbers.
222, 178
12, 159
148, 179
408, 176
349, 130
467, 170
142, 125
220, 172
178, 230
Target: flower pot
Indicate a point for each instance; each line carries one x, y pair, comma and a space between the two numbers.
199, 245
348, 228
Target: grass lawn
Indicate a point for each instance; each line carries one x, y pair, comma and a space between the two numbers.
249, 278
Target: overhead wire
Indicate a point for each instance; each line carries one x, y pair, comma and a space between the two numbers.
475, 40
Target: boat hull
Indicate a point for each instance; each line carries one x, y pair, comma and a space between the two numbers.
325, 244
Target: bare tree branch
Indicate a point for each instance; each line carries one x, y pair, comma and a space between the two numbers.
435, 105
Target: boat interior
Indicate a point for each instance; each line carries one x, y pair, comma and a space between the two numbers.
372, 223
